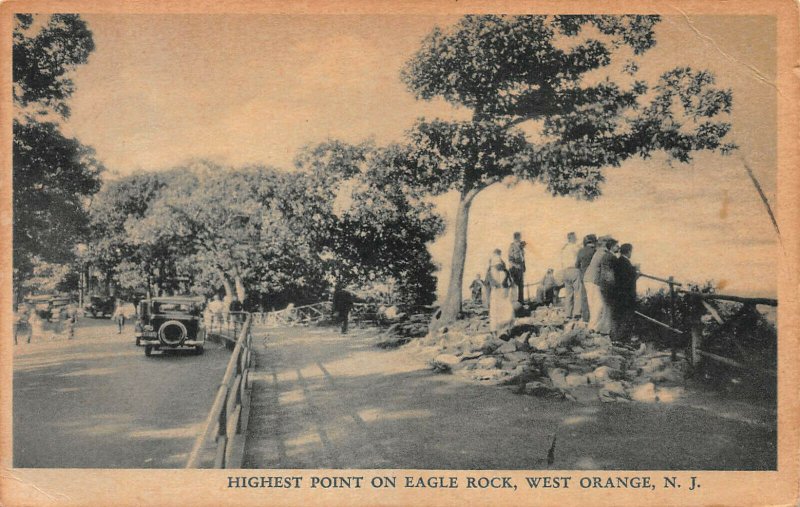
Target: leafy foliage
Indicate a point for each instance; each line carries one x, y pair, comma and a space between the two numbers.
570, 79
52, 175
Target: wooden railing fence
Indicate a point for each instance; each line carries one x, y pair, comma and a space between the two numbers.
220, 443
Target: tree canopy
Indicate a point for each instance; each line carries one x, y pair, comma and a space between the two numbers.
53, 175
569, 79
267, 235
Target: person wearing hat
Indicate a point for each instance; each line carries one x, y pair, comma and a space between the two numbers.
516, 265
582, 262
599, 282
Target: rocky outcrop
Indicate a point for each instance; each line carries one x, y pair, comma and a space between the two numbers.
546, 356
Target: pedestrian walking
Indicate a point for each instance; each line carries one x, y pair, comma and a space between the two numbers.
119, 315
342, 304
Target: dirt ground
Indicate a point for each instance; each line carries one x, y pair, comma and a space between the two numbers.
326, 400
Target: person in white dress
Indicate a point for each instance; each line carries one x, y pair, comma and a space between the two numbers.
502, 295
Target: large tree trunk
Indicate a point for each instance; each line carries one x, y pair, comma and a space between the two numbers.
227, 285
240, 291
451, 309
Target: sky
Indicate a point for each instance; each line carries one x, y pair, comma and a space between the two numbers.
239, 89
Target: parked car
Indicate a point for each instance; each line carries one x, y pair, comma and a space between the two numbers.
99, 306
171, 323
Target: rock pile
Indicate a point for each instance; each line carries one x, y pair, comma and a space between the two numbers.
546, 356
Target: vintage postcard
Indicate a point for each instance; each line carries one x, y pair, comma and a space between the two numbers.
399, 253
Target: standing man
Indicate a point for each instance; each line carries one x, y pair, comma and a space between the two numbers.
342, 304
599, 281
624, 300
571, 277
516, 261
582, 261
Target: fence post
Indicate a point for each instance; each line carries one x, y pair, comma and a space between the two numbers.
697, 342
672, 315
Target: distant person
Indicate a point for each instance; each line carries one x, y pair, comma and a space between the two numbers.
545, 292
623, 303
217, 308
571, 278
235, 309
36, 324
502, 294
516, 265
599, 282
119, 315
582, 261
342, 304
477, 289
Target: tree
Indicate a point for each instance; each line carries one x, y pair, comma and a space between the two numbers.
373, 228
119, 205
546, 72
53, 175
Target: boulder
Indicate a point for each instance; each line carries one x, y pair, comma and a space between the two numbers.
479, 341
670, 394
538, 343
506, 348
516, 357
445, 361
606, 373
543, 390
613, 392
393, 313
614, 362
666, 375
645, 393
471, 355
487, 362
576, 379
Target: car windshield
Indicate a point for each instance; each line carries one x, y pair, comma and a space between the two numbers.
172, 307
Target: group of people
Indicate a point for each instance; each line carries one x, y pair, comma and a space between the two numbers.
219, 311
600, 283
598, 280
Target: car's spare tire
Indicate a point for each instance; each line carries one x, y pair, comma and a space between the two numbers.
172, 333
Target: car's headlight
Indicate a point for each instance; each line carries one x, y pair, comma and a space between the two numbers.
148, 327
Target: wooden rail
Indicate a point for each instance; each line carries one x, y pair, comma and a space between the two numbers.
309, 314
707, 301
220, 444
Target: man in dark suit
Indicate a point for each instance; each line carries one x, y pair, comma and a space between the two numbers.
624, 298
582, 262
516, 265
342, 304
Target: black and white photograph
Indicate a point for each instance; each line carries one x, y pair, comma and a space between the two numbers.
372, 241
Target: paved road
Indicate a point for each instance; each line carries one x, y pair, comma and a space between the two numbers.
323, 400
97, 402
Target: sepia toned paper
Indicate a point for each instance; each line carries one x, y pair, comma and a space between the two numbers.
242, 83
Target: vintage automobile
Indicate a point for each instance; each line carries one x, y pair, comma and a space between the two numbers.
170, 323
99, 306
